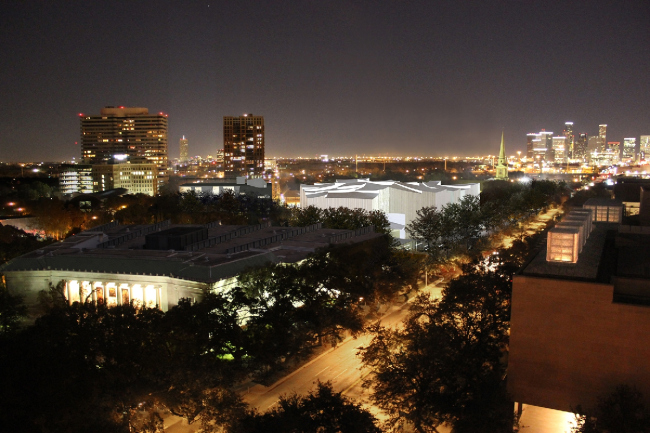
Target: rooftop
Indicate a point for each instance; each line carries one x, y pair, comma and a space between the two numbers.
228, 250
588, 261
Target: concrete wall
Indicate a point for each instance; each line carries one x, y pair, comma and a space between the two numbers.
351, 203
569, 343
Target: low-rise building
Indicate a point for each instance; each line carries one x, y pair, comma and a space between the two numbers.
257, 187
76, 179
400, 201
158, 264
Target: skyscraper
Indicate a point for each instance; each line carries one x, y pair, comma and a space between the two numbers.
580, 147
243, 145
540, 146
502, 164
594, 144
644, 147
530, 145
602, 137
559, 149
569, 139
183, 149
629, 149
129, 131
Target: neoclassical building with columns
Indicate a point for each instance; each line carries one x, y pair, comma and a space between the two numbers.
159, 264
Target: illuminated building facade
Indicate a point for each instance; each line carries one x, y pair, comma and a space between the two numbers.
243, 145
160, 264
256, 187
76, 178
183, 147
400, 201
615, 148
540, 146
644, 147
569, 139
629, 150
559, 149
580, 147
136, 178
602, 137
129, 131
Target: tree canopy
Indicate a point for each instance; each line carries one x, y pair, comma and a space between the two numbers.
447, 364
457, 227
340, 218
322, 411
621, 411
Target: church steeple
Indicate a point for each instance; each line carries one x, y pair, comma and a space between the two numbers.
502, 164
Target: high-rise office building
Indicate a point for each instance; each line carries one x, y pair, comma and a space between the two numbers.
615, 148
540, 146
546, 138
569, 139
183, 149
602, 137
559, 149
130, 132
644, 147
243, 145
530, 145
594, 144
629, 150
580, 147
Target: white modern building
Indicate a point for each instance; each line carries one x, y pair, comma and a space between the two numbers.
400, 201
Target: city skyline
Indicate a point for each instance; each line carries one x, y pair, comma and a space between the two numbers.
366, 78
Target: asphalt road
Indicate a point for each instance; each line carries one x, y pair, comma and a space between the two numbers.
340, 365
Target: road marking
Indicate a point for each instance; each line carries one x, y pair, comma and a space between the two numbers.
321, 371
356, 382
339, 374
273, 404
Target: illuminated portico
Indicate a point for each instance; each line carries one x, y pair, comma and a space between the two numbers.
157, 265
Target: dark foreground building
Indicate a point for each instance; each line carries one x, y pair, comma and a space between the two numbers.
579, 328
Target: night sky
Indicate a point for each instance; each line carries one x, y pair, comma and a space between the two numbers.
434, 78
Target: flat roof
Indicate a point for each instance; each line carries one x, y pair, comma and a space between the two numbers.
600, 201
588, 260
255, 246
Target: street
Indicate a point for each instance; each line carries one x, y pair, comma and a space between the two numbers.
340, 365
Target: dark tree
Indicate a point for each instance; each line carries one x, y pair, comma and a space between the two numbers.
446, 366
622, 411
12, 310
322, 411
340, 218
86, 367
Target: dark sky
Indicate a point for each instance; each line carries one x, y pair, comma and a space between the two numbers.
436, 78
